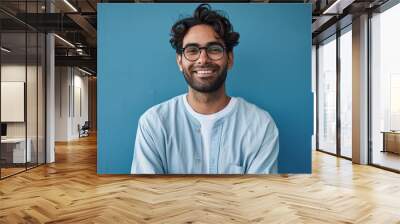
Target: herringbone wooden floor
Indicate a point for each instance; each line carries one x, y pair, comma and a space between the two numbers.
70, 191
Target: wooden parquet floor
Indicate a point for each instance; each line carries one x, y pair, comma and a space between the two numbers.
70, 191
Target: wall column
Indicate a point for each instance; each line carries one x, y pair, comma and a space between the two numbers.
360, 90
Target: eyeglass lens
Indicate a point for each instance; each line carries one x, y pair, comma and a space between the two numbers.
214, 52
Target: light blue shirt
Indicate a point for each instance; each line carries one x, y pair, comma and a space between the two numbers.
169, 141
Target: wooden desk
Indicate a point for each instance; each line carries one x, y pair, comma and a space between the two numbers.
391, 141
15, 148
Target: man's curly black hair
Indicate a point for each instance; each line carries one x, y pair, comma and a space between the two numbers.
204, 15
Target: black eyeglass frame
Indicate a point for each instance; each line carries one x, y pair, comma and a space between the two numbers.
182, 51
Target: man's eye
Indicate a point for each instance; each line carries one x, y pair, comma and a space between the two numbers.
215, 49
192, 50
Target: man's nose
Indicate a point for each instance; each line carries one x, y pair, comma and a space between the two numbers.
203, 58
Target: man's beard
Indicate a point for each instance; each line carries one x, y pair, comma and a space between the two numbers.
206, 87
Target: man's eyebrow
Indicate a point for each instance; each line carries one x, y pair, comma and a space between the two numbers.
208, 44
213, 43
192, 44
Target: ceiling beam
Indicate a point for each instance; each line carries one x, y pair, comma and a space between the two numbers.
84, 61
85, 25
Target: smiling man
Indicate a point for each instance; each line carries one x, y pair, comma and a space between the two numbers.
205, 131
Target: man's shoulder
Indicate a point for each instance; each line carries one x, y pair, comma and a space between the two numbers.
162, 110
252, 111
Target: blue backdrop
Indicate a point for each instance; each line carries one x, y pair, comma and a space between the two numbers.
137, 69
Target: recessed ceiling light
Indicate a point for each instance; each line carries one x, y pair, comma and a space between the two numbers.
5, 50
84, 71
70, 5
64, 40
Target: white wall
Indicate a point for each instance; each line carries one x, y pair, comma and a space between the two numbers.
62, 81
71, 102
12, 73
79, 110
16, 72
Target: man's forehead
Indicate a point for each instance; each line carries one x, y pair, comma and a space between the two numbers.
201, 35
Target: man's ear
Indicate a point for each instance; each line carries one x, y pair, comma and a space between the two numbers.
230, 59
179, 61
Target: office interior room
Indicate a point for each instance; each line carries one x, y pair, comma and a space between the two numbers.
48, 92
45, 88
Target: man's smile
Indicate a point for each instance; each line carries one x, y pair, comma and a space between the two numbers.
205, 72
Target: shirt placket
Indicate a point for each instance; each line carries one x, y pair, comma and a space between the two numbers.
198, 156
215, 147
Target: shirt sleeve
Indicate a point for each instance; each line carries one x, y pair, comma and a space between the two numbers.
146, 157
266, 160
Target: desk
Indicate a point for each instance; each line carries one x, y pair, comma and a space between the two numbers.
15, 148
391, 141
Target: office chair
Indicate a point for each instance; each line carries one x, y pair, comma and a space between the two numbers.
84, 130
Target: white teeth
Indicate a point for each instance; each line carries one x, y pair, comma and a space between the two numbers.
204, 72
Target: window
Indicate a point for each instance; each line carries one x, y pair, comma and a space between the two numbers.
327, 95
385, 88
346, 92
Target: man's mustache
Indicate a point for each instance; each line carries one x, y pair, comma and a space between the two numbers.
208, 66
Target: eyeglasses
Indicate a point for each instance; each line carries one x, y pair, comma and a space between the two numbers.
213, 51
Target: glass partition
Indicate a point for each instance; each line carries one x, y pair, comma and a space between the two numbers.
22, 78
13, 109
327, 95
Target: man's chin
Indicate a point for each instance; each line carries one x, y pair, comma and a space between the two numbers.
205, 88
207, 84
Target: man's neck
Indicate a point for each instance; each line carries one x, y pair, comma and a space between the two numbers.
208, 103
